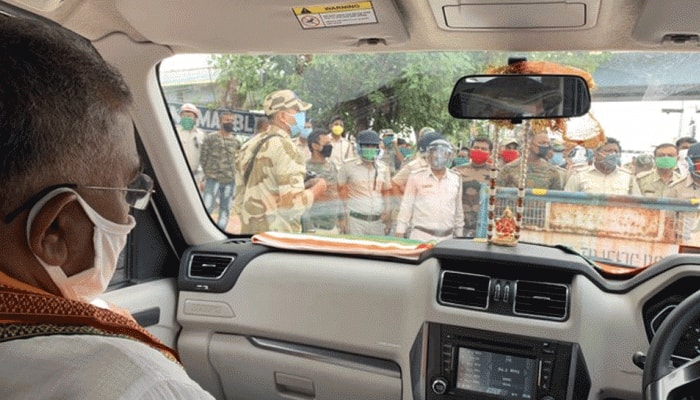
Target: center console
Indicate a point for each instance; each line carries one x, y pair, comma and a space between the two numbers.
480, 365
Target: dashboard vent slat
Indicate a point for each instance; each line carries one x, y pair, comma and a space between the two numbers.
544, 300
464, 290
206, 266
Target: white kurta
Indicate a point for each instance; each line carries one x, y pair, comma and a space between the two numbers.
91, 367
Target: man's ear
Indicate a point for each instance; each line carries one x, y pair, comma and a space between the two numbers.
48, 235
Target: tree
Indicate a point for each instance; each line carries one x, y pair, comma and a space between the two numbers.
401, 91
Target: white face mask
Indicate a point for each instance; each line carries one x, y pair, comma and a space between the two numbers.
109, 238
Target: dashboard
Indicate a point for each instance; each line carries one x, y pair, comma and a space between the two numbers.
466, 320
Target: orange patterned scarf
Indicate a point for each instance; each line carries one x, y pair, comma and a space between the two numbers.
26, 311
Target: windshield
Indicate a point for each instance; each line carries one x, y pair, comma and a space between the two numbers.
364, 145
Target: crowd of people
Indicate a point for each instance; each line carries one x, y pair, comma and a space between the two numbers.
292, 177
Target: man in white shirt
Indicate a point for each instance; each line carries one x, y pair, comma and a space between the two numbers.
431, 208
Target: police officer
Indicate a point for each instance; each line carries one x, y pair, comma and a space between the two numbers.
365, 188
657, 181
270, 172
432, 202
604, 176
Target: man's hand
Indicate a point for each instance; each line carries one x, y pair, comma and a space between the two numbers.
318, 187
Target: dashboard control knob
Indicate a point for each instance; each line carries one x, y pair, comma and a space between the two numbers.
439, 386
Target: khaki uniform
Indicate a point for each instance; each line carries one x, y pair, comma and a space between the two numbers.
343, 151
431, 206
472, 178
401, 177
274, 197
591, 180
651, 185
325, 213
688, 189
540, 175
366, 201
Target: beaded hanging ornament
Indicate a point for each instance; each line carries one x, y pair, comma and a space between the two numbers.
584, 131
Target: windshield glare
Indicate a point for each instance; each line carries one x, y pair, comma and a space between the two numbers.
363, 144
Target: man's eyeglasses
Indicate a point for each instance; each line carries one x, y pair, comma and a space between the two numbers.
138, 194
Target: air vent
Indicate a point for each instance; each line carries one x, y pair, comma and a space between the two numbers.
544, 300
206, 266
464, 290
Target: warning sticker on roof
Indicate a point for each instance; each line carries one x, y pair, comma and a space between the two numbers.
332, 15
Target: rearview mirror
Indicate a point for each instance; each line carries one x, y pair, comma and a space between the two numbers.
518, 97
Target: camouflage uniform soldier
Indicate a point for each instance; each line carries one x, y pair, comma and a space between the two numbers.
473, 176
270, 171
218, 156
540, 173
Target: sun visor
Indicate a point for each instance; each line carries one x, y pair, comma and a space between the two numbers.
292, 25
669, 22
497, 15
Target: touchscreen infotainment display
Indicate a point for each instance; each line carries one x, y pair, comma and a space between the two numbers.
497, 374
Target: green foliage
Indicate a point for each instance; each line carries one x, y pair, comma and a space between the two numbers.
401, 91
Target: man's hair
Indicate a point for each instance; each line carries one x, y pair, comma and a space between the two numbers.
482, 139
685, 139
224, 112
314, 136
663, 146
59, 103
608, 141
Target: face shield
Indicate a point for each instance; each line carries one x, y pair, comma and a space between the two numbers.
439, 154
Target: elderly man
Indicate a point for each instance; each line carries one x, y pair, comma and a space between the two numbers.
270, 172
69, 174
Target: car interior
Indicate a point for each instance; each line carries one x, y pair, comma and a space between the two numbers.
607, 307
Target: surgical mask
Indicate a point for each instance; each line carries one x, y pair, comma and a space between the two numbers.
108, 240
509, 155
299, 122
305, 133
666, 162
478, 156
388, 140
228, 126
337, 130
611, 161
405, 151
557, 158
460, 161
327, 150
369, 153
187, 123
543, 150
